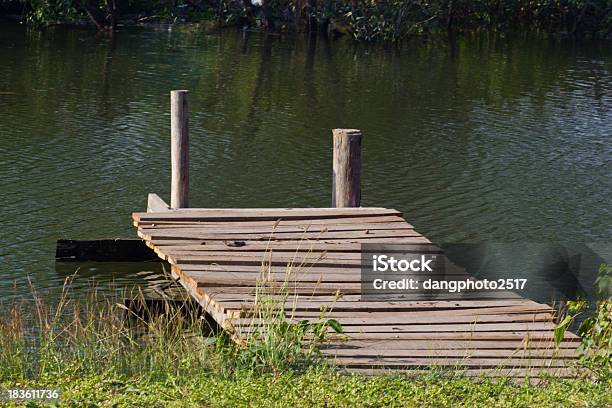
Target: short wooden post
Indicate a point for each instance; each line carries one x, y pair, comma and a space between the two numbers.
346, 188
179, 120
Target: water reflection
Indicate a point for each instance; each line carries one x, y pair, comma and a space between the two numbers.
474, 139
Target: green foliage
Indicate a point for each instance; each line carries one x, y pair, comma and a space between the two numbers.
603, 283
387, 20
596, 347
364, 20
47, 12
318, 388
274, 341
595, 330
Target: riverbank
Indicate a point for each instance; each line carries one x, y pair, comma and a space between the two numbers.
364, 21
101, 352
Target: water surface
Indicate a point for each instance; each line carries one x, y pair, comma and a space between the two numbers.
473, 139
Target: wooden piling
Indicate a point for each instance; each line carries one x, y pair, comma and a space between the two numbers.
179, 196
346, 188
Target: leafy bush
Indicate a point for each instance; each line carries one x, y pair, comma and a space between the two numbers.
596, 347
364, 20
595, 330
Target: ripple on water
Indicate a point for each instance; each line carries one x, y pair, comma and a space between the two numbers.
469, 148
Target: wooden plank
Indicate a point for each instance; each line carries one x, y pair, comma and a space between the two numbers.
352, 288
313, 305
179, 252
303, 242
310, 256
174, 223
465, 327
466, 344
224, 277
275, 229
494, 322
345, 288
203, 268
271, 214
247, 294
244, 324
293, 311
278, 246
276, 236
212, 307
439, 353
394, 319
156, 204
357, 310
258, 246
293, 276
289, 264
523, 335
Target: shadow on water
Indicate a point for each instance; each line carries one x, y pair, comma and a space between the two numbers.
555, 272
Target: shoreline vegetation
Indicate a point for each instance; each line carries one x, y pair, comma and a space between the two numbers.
362, 20
99, 352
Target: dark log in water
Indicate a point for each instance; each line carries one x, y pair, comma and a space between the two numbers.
104, 250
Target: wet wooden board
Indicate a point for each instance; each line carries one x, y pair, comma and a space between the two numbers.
310, 262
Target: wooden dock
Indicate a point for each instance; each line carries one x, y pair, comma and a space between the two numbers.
218, 255
309, 261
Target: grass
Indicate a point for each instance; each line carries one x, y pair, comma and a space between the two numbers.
315, 387
101, 354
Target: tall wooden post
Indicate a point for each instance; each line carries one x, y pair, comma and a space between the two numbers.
346, 188
179, 122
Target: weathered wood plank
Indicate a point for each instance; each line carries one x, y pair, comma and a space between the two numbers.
523, 335
203, 268
449, 322
332, 304
346, 288
379, 319
479, 327
467, 344
278, 246
303, 242
156, 204
271, 214
274, 229
178, 223
371, 310
298, 275
275, 236
438, 353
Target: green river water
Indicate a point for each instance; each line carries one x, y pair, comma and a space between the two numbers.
479, 138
